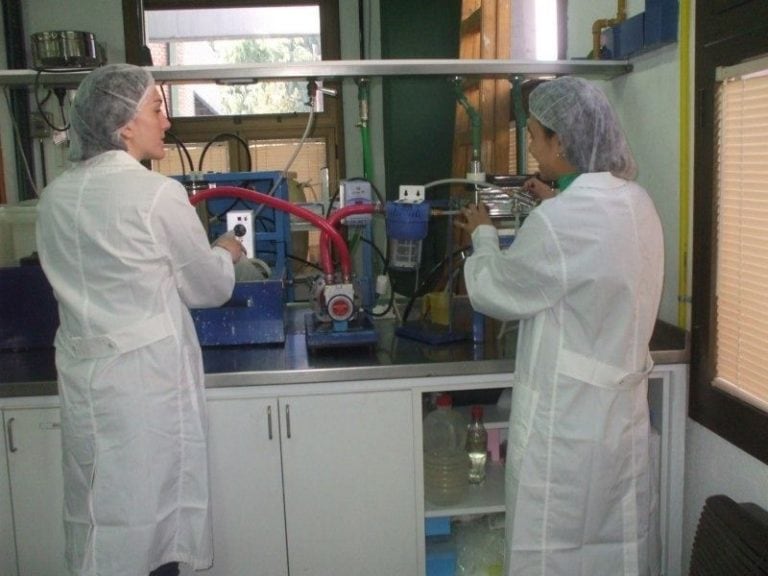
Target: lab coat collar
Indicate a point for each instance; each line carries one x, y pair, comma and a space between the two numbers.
604, 180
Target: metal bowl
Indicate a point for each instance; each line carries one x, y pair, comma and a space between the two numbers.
65, 49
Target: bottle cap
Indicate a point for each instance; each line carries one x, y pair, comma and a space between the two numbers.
477, 412
444, 401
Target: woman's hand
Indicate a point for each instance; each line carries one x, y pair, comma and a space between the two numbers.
229, 242
472, 216
539, 188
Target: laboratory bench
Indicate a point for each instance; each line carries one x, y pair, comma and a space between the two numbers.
315, 456
32, 372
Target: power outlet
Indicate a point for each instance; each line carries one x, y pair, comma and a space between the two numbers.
411, 193
241, 223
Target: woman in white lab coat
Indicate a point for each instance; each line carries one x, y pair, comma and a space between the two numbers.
584, 278
127, 256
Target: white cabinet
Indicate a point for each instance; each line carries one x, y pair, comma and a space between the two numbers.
350, 491
313, 484
33, 449
246, 487
322, 483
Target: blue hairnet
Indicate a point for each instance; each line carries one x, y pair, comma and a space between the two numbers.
584, 120
106, 100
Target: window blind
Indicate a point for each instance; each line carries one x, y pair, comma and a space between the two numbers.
742, 237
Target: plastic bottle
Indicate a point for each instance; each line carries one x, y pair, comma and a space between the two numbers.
445, 458
477, 446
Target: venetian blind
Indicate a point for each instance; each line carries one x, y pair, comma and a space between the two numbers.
742, 235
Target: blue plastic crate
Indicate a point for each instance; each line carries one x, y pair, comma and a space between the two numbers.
628, 36
661, 18
440, 526
440, 558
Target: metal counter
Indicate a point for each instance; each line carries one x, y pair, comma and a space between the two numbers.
32, 373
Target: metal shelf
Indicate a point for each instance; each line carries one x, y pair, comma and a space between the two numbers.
340, 69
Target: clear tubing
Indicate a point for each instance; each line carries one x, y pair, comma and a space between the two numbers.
279, 204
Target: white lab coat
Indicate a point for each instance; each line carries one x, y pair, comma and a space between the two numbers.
584, 277
127, 255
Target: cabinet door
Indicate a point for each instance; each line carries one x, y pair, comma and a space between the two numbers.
37, 493
349, 480
246, 488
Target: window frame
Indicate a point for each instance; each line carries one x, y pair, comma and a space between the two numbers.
328, 123
727, 32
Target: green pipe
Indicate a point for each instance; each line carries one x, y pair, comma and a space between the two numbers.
520, 122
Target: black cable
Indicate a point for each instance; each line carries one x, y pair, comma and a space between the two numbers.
182, 148
60, 95
305, 262
221, 136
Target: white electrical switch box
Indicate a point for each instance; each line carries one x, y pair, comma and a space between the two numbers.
241, 223
411, 194
353, 192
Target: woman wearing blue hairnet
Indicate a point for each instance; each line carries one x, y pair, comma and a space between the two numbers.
584, 278
127, 256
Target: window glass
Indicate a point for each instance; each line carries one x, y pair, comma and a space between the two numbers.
213, 36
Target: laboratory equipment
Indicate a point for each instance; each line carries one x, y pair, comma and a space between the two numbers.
407, 225
65, 49
336, 319
255, 313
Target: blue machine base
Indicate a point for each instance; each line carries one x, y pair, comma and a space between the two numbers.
431, 333
359, 332
254, 315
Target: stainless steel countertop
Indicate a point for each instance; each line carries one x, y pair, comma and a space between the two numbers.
32, 373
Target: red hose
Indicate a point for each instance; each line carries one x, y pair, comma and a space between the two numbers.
340, 214
280, 204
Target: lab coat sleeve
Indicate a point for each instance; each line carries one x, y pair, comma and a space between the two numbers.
205, 275
518, 282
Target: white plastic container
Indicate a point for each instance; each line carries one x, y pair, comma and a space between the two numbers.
445, 458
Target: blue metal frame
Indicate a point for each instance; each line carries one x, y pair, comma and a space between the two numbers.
275, 232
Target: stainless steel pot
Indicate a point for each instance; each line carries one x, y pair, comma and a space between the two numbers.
65, 49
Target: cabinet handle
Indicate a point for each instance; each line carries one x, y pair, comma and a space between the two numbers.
269, 422
50, 425
288, 420
9, 426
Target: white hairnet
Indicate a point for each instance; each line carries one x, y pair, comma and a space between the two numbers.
105, 101
584, 120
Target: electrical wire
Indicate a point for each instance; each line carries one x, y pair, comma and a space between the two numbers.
182, 149
219, 137
60, 94
19, 144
